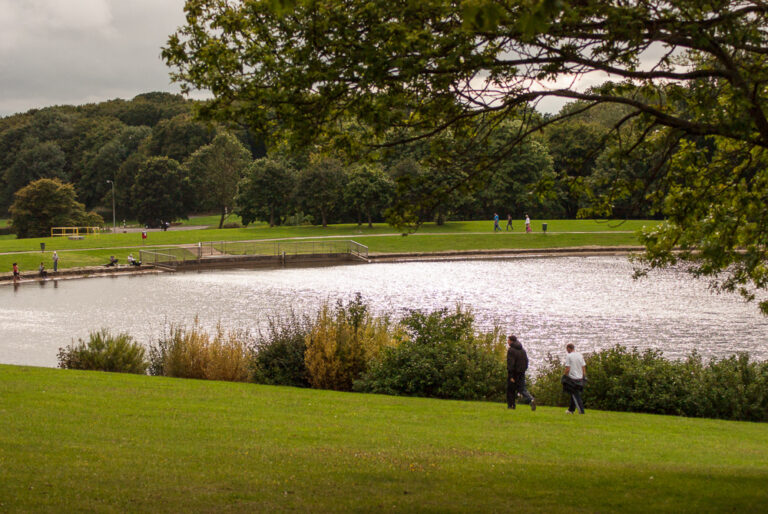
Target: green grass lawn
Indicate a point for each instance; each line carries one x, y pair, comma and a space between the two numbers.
468, 235
91, 441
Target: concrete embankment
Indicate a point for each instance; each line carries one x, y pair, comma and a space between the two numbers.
81, 272
581, 251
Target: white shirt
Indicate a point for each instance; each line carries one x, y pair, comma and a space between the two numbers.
575, 362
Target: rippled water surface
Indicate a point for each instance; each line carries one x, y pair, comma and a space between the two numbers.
591, 301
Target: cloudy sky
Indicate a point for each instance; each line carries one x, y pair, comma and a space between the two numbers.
80, 51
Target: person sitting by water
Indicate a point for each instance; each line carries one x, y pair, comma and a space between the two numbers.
41, 270
16, 274
112, 261
132, 261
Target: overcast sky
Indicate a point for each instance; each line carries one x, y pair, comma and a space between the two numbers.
80, 51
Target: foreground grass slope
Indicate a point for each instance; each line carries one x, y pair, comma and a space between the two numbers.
107, 442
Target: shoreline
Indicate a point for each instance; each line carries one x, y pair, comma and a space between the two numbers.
451, 255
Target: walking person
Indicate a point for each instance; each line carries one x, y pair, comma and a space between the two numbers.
574, 378
509, 222
55, 262
496, 222
517, 364
527, 223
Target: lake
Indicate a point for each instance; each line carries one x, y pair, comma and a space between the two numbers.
590, 301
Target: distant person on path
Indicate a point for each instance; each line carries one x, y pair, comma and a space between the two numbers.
527, 223
517, 364
509, 222
41, 271
55, 262
496, 222
15, 272
574, 378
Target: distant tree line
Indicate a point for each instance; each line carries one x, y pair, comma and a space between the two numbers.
166, 165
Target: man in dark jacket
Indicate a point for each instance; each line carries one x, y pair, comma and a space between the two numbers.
517, 364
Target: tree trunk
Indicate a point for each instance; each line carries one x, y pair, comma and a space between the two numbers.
322, 216
271, 217
223, 215
370, 222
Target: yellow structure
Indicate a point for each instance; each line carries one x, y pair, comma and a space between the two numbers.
75, 231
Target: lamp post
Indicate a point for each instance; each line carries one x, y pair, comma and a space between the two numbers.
114, 224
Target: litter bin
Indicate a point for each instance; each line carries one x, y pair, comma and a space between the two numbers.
543, 227
42, 247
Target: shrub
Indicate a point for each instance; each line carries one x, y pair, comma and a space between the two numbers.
440, 356
105, 352
194, 353
279, 356
342, 342
622, 379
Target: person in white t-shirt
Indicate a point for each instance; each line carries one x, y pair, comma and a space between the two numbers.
575, 373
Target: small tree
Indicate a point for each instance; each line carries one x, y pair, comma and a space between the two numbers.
368, 190
47, 203
215, 169
320, 187
159, 191
265, 191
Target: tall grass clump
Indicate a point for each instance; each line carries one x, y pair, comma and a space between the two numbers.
279, 352
342, 342
440, 355
622, 379
194, 353
105, 352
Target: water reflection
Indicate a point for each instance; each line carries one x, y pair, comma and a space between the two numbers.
591, 301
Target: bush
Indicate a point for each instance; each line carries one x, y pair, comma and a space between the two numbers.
193, 353
342, 342
279, 358
105, 352
440, 356
622, 379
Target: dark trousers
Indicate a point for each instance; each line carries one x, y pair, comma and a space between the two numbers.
576, 402
517, 387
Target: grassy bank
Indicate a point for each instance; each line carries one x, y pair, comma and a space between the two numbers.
96, 441
471, 235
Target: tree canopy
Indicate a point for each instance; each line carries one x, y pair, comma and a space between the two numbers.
690, 77
215, 169
47, 203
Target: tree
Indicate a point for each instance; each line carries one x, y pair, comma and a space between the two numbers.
159, 191
368, 191
178, 137
104, 164
36, 160
691, 74
214, 171
320, 187
47, 203
265, 191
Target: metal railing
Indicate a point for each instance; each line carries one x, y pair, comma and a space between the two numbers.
279, 248
168, 257
210, 250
